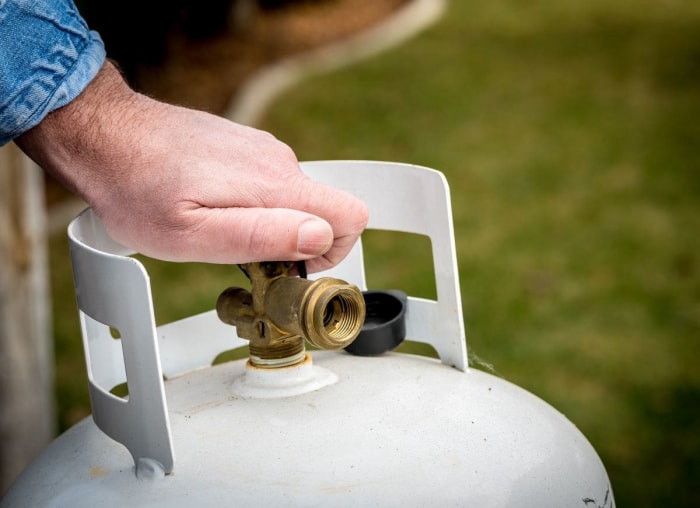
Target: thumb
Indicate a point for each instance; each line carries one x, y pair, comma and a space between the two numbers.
242, 235
314, 237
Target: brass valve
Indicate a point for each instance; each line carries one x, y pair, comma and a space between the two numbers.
280, 311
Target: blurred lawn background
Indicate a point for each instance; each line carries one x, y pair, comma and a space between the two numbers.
569, 133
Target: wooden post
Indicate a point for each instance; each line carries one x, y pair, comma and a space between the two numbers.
26, 352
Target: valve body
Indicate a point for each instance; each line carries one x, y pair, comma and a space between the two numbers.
280, 311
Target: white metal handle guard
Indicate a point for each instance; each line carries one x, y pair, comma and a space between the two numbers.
113, 293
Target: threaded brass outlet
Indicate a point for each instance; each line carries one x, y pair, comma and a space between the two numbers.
281, 311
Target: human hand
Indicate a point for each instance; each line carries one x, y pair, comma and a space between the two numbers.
184, 185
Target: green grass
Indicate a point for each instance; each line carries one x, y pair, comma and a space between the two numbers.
569, 134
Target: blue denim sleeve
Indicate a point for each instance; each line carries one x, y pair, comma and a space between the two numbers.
48, 55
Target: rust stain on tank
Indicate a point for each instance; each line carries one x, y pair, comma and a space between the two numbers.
98, 472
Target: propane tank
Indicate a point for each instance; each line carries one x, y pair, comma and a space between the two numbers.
353, 425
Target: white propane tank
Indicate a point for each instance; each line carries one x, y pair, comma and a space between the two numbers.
333, 430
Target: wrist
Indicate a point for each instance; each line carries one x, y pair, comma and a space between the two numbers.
75, 143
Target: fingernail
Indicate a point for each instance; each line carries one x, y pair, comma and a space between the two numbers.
315, 237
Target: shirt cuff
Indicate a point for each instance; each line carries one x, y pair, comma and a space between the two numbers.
54, 57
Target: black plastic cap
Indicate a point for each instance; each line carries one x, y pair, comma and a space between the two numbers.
385, 324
